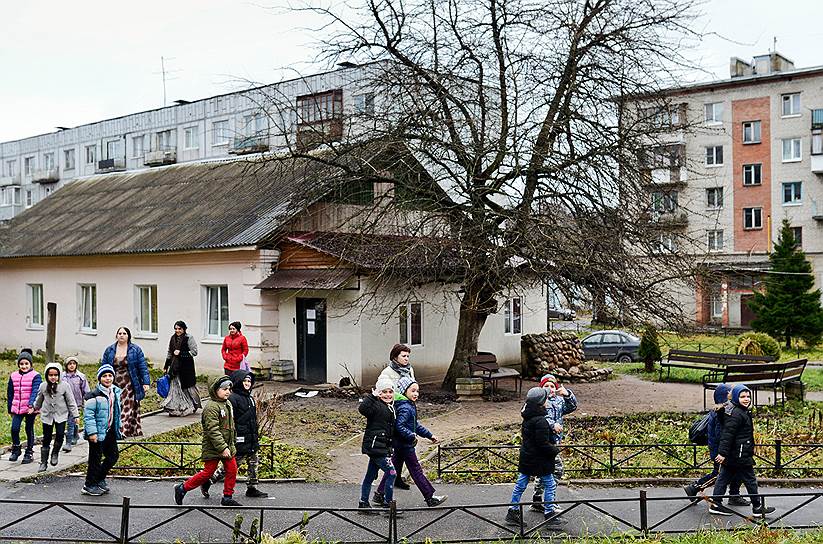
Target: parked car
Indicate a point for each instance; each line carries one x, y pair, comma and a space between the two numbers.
562, 313
611, 345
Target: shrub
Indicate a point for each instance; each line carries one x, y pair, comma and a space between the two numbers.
758, 343
649, 350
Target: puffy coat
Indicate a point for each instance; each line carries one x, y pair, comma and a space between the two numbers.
737, 437
218, 426
715, 426
60, 406
407, 428
79, 385
233, 350
380, 417
96, 413
537, 453
22, 391
138, 369
245, 413
558, 407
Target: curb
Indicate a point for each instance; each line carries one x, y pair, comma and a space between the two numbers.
664, 482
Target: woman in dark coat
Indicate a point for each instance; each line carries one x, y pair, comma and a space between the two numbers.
183, 398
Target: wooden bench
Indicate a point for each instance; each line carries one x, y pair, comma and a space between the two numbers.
707, 360
764, 376
484, 365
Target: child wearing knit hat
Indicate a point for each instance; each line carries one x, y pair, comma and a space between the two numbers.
406, 430
378, 410
101, 422
20, 396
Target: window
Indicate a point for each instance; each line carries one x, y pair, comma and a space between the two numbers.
15, 195
217, 310
797, 234
48, 161
29, 198
364, 103
751, 132
664, 202
114, 149
88, 308
191, 138
752, 174
791, 150
752, 218
6, 197
817, 143
146, 299
666, 243
714, 197
714, 155
717, 306
11, 166
714, 113
791, 104
220, 132
28, 165
165, 141
320, 107
792, 192
68, 159
91, 154
138, 146
612, 338
714, 240
256, 125
513, 316
411, 323
34, 296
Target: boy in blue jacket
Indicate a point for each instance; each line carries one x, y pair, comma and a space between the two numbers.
101, 419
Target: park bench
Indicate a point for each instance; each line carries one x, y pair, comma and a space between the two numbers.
757, 377
707, 360
484, 365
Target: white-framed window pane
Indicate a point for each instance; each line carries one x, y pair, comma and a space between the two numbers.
791, 104
138, 146
714, 112
715, 240
797, 234
217, 310
717, 305
411, 323
517, 316
191, 138
714, 155
88, 307
792, 192
220, 132
752, 218
35, 304
147, 308
817, 143
404, 324
751, 132
791, 149
28, 165
91, 154
714, 197
752, 174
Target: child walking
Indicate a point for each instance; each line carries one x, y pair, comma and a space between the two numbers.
101, 427
248, 438
377, 441
406, 430
24, 383
56, 404
537, 456
219, 437
735, 452
79, 387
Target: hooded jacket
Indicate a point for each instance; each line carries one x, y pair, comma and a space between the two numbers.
558, 407
218, 425
96, 413
380, 417
537, 454
245, 414
60, 406
407, 428
737, 435
715, 426
136, 362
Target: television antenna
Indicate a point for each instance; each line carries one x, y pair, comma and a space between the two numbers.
165, 74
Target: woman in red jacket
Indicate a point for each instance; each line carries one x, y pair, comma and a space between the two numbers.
235, 347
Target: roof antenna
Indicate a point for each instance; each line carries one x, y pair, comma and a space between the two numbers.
774, 44
165, 75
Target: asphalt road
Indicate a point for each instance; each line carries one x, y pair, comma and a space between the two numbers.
454, 521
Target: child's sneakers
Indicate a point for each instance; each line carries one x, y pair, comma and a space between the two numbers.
15, 453
513, 517
761, 511
103, 484
94, 491
67, 446
255, 493
436, 500
378, 497
363, 507
227, 500
691, 490
737, 500
179, 493
720, 510
553, 520
204, 488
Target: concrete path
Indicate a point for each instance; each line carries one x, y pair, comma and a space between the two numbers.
601, 516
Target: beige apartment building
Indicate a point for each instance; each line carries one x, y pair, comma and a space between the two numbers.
743, 154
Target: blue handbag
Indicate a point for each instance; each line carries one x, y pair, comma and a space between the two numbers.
163, 386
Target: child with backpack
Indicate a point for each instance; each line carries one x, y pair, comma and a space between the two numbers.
406, 431
735, 452
537, 455
21, 393
219, 439
101, 427
79, 387
248, 439
56, 404
378, 410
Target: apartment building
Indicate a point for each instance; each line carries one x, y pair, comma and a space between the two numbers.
743, 154
251, 121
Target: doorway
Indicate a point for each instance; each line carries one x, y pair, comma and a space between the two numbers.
746, 313
311, 340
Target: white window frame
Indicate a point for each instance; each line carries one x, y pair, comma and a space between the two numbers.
29, 198
405, 314
513, 316
364, 104
48, 161
714, 240
714, 203
666, 243
713, 113
35, 319
792, 149
751, 132
91, 154
138, 146
792, 100
796, 197
165, 140
114, 149
798, 242
191, 137
5, 196
754, 216
87, 308
29, 165
10, 167
712, 156
69, 159
220, 133
145, 294
717, 306
754, 172
220, 293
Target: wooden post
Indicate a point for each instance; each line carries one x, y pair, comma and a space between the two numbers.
51, 330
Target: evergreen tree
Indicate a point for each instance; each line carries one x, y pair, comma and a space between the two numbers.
788, 308
649, 350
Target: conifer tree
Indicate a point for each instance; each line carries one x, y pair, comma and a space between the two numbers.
788, 307
649, 350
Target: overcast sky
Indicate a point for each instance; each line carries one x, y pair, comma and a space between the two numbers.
70, 63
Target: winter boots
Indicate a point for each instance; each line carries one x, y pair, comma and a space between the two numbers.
28, 456
55, 455
44, 460
15, 453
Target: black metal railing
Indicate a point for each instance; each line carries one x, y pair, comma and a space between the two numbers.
641, 514
613, 458
179, 456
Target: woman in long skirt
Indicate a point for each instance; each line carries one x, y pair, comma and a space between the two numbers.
183, 398
131, 374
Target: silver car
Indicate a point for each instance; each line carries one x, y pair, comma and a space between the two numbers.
611, 345
566, 314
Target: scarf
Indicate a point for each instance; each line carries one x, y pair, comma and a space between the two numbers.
175, 343
400, 369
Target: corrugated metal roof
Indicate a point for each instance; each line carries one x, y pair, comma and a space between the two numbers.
180, 207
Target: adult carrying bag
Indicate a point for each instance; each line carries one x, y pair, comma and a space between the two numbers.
699, 431
163, 386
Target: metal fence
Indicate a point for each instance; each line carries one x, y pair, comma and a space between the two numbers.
179, 456
100, 522
614, 458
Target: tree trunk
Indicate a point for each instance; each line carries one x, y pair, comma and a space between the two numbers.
648, 366
475, 307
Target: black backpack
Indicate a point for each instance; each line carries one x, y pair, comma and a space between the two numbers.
699, 431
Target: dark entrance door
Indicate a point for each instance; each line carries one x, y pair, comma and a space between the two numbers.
311, 340
746, 313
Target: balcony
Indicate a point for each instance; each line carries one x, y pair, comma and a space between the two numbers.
6, 181
816, 155
45, 175
160, 157
667, 220
314, 134
111, 165
817, 119
243, 145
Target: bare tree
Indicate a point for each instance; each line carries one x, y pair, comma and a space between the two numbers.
516, 144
